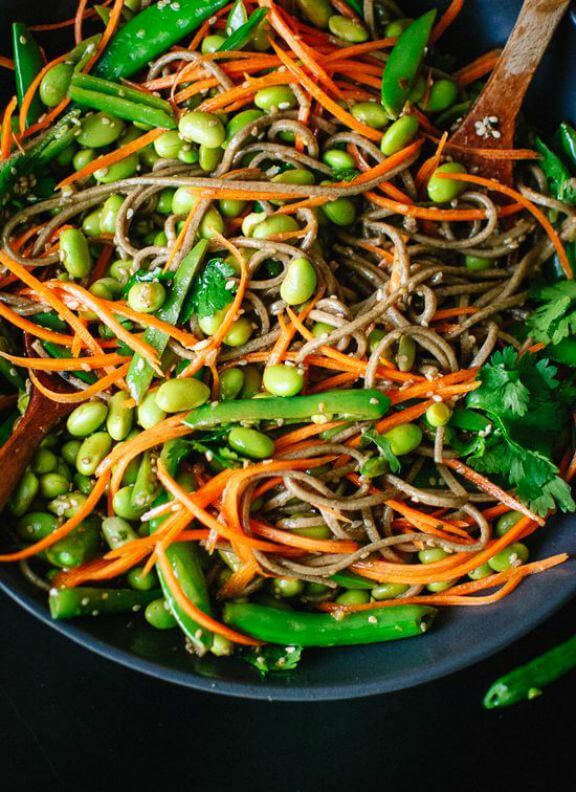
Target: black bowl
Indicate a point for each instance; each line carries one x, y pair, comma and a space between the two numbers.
461, 636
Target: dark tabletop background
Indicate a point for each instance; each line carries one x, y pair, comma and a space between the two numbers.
72, 720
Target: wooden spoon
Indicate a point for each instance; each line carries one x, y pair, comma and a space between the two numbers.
491, 121
40, 418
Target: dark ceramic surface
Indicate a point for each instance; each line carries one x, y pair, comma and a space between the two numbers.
462, 636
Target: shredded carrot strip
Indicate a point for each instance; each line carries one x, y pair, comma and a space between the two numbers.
149, 320
31, 92
303, 542
76, 397
65, 364
6, 136
527, 204
446, 19
332, 383
109, 30
6, 63
289, 331
78, 19
439, 215
430, 165
478, 68
106, 160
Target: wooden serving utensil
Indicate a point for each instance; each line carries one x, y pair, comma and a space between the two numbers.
491, 121
40, 418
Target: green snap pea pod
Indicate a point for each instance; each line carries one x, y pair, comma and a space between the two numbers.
351, 581
527, 681
152, 32
362, 405
558, 175
56, 351
237, 17
566, 139
241, 36
67, 603
50, 320
322, 629
110, 88
28, 62
404, 64
122, 108
141, 372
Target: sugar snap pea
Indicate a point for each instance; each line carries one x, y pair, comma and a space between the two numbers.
68, 603
28, 62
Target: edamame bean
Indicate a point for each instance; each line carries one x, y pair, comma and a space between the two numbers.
231, 208
202, 128
69, 451
91, 223
107, 288
83, 483
507, 521
287, 587
353, 597
442, 95
120, 417
168, 145
299, 282
480, 572
231, 383
159, 616
438, 414
445, 190
75, 253
274, 225
165, 201
146, 297
477, 263
431, 554
274, 98
117, 532
82, 158
211, 223
146, 485
183, 201
54, 84
371, 114
177, 395
314, 532
397, 27
404, 438
209, 158
211, 44
252, 382
348, 29
79, 546
250, 222
86, 418
338, 159
43, 461
439, 586
122, 504
251, 443
514, 555
149, 413
283, 380
141, 582
121, 270
241, 120
124, 169
53, 484
406, 354
321, 329
341, 212
92, 452
36, 525
386, 591
293, 176
316, 11
210, 324
67, 505
99, 129
109, 213
239, 333
399, 134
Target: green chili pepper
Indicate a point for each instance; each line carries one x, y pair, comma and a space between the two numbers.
527, 681
566, 141
67, 603
241, 36
404, 64
122, 108
141, 372
322, 629
28, 62
558, 175
362, 405
152, 32
56, 351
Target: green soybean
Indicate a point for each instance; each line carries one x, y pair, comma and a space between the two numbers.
202, 128
209, 158
349, 30
122, 504
432, 554
44, 461
123, 169
141, 582
507, 521
251, 443
106, 288
79, 546
514, 555
443, 94
406, 354
438, 414
404, 438
83, 483
338, 159
86, 418
442, 190
480, 572
69, 451
109, 213
146, 486
211, 223
120, 417
53, 484
177, 395
384, 591
183, 201
274, 98
239, 333
283, 380
293, 176
91, 224
252, 382
477, 263
299, 283
159, 615
316, 11
149, 413
241, 120
36, 525
371, 114
231, 383
92, 452
168, 145
341, 212
67, 505
231, 208
211, 44
117, 532
75, 253
54, 84
146, 297
287, 587
353, 597
276, 224
399, 134
99, 129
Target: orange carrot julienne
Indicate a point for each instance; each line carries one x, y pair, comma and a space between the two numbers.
33, 87
6, 135
65, 364
109, 30
6, 63
76, 397
478, 68
78, 19
439, 215
446, 20
491, 184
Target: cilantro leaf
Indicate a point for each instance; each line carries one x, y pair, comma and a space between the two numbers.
384, 449
344, 174
211, 291
502, 384
555, 319
272, 659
